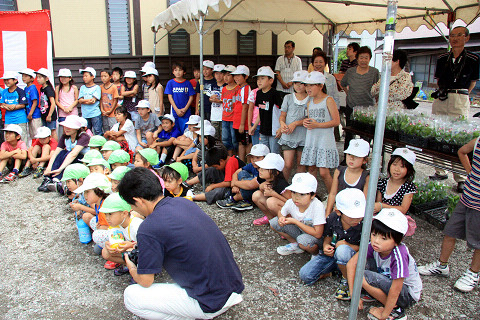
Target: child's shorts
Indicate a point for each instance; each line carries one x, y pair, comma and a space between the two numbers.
296, 233
52, 125
170, 149
11, 164
246, 194
286, 148
217, 194
242, 138
384, 283
464, 224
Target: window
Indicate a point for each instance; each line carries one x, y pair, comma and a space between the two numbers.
247, 44
170, 2
423, 68
8, 5
179, 43
119, 26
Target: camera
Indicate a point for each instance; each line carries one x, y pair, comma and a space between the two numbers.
441, 94
132, 255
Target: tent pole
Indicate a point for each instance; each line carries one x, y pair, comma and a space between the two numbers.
377, 155
154, 46
201, 19
335, 54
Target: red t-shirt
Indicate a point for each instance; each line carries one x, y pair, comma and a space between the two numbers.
230, 168
52, 143
228, 99
241, 98
194, 84
9, 148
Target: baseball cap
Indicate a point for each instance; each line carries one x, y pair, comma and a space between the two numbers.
406, 154
218, 67
64, 72
206, 123
194, 119
148, 64
75, 171
149, 71
180, 168
150, 154
169, 117
299, 76
229, 68
393, 219
43, 132
99, 162
207, 131
118, 173
95, 180
259, 150
90, 155
208, 64
72, 122
97, 141
358, 148
114, 203
271, 161
143, 104
28, 71
242, 69
88, 69
119, 156
314, 77
111, 145
9, 75
130, 74
351, 202
265, 71
13, 128
303, 182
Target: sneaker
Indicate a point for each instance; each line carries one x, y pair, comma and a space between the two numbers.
9, 178
43, 186
38, 172
438, 177
158, 165
367, 298
434, 268
242, 206
261, 221
226, 203
25, 172
120, 271
56, 186
467, 282
342, 292
110, 265
289, 249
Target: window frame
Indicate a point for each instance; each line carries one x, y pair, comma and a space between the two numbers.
15, 5
254, 40
129, 30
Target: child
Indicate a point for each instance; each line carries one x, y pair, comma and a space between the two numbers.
90, 155
122, 230
245, 182
463, 224
219, 173
99, 166
166, 134
322, 116
123, 131
195, 154
173, 175
253, 117
144, 91
240, 110
155, 91
39, 153
108, 148
89, 99
229, 92
196, 76
341, 240
117, 175
181, 96
33, 112
109, 100
147, 158
146, 124
269, 101
96, 142
66, 97
13, 102
185, 141
73, 177
47, 102
215, 98
209, 85
117, 74
394, 280
13, 152
118, 158
292, 114
397, 190
271, 189
129, 94
354, 175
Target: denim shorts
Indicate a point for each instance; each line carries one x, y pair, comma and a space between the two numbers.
52, 125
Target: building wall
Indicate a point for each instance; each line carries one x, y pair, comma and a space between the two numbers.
304, 43
29, 5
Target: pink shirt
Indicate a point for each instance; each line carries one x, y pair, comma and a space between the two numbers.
8, 147
159, 178
66, 99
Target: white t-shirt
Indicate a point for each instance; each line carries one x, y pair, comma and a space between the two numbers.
313, 216
130, 134
216, 110
130, 232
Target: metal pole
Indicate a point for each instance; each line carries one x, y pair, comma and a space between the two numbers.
335, 54
202, 111
377, 154
154, 45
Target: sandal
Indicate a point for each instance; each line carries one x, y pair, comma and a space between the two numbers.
261, 221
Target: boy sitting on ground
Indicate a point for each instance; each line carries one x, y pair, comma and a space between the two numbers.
13, 152
166, 133
39, 153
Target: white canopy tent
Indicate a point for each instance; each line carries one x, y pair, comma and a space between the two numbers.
206, 16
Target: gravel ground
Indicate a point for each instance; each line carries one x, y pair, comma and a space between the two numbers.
48, 274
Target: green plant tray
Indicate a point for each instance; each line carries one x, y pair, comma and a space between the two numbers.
436, 217
418, 209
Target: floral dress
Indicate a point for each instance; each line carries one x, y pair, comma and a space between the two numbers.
401, 87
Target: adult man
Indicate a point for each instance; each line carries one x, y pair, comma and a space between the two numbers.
456, 73
178, 236
351, 60
286, 66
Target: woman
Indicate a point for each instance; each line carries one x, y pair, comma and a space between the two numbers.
71, 147
401, 84
319, 64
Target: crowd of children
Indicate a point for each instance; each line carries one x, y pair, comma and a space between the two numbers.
246, 132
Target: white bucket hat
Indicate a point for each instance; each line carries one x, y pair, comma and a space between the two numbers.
71, 122
9, 75
271, 161
194, 119
358, 148
206, 123
207, 131
130, 74
43, 132
265, 71
393, 219
314, 77
406, 154
28, 71
148, 64
169, 117
89, 69
13, 128
64, 72
351, 202
149, 71
218, 67
299, 76
303, 182
143, 104
259, 150
229, 68
208, 64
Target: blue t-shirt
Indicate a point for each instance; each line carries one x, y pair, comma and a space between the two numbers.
251, 169
15, 97
209, 86
167, 135
90, 110
31, 93
181, 92
198, 259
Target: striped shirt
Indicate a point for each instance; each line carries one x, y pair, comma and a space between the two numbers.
471, 189
359, 86
287, 68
